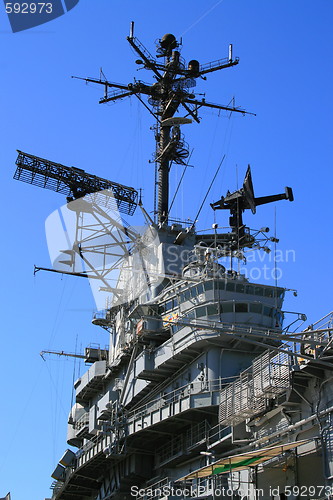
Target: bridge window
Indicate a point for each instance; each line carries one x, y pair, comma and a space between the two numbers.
200, 311
241, 308
169, 305
185, 296
221, 285
230, 286
209, 285
212, 309
256, 308
279, 317
227, 307
268, 311
240, 288
190, 315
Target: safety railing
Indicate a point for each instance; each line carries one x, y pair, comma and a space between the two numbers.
182, 443
176, 395
157, 490
267, 377
218, 433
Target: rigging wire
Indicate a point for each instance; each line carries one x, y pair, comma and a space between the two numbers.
238, 228
58, 410
176, 181
212, 148
139, 163
202, 17
207, 193
128, 148
73, 378
18, 427
56, 319
227, 135
180, 181
275, 267
226, 143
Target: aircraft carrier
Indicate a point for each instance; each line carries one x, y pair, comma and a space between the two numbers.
205, 391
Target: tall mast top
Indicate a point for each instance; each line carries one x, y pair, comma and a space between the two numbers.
172, 91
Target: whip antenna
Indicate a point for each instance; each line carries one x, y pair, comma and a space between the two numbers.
210, 187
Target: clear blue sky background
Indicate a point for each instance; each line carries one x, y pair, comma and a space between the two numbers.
284, 75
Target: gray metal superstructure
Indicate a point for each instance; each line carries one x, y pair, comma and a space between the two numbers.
203, 391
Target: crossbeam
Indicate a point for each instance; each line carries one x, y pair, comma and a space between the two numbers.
167, 96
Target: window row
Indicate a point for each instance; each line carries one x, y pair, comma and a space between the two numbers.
230, 307
229, 286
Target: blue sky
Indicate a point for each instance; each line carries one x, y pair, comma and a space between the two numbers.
284, 75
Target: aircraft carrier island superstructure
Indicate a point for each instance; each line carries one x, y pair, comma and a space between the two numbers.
203, 392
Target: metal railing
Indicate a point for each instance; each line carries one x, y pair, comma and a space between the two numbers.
324, 322
156, 490
267, 377
207, 328
177, 395
145, 410
218, 432
90, 444
197, 434
217, 64
171, 450
182, 443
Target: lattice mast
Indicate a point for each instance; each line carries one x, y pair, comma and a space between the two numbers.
171, 90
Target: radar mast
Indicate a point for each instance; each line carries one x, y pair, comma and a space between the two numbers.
170, 92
